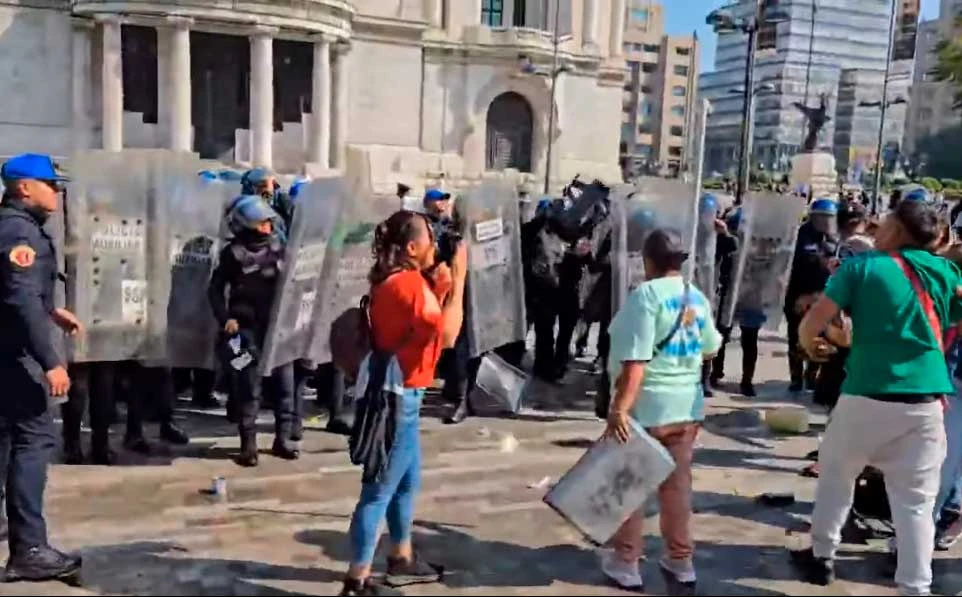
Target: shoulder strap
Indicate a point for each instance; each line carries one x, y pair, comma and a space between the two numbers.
685, 299
924, 298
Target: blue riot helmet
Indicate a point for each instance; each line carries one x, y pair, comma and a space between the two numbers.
823, 214
247, 211
644, 220
708, 204
916, 194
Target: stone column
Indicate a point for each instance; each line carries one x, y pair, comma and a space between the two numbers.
339, 109
589, 25
320, 133
617, 35
80, 83
112, 101
262, 97
181, 127
433, 13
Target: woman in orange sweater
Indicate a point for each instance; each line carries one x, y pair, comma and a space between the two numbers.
416, 311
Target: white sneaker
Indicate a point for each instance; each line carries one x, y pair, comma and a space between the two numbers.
624, 575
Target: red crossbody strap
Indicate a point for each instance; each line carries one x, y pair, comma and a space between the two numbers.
925, 299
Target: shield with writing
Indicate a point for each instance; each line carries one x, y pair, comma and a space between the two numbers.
188, 210
106, 254
347, 265
495, 286
298, 301
652, 203
763, 266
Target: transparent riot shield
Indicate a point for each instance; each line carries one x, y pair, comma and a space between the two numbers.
495, 287
347, 265
106, 249
703, 257
763, 266
638, 210
297, 303
54, 227
189, 210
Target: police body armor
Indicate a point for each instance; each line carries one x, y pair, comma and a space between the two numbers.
252, 294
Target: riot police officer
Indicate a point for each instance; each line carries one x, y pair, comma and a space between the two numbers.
241, 294
814, 261
261, 182
30, 366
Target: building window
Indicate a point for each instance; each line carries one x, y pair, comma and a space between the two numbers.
681, 70
677, 130
683, 51
674, 151
492, 12
652, 48
644, 128
639, 16
645, 108
677, 111
627, 47
649, 67
678, 91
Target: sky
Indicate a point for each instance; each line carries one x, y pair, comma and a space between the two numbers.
684, 16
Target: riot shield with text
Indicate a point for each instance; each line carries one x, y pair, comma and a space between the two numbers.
347, 266
763, 266
298, 300
638, 210
495, 287
106, 253
189, 209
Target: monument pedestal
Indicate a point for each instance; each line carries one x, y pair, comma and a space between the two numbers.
817, 171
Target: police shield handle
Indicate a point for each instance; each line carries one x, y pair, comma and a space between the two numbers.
59, 381
231, 327
67, 321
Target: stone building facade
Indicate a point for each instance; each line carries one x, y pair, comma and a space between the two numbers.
381, 90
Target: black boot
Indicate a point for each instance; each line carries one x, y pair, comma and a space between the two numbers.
248, 450
100, 452
41, 563
283, 449
72, 451
137, 443
171, 433
461, 413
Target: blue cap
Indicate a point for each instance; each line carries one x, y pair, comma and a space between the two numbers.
824, 206
916, 194
708, 204
31, 166
436, 195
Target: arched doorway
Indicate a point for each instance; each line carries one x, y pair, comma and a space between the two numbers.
510, 124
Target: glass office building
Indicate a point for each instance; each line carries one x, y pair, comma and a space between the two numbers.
805, 55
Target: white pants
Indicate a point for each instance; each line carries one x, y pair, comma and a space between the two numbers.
907, 443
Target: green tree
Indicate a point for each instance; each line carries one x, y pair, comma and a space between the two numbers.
948, 65
932, 184
950, 183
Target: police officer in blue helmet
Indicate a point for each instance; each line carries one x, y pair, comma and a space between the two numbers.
241, 295
815, 259
708, 204
262, 182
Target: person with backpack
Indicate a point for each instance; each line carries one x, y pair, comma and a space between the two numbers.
416, 308
901, 298
659, 339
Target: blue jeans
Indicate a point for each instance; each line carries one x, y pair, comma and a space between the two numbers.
394, 495
951, 476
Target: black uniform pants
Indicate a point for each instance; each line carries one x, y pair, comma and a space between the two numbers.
796, 360
749, 342
27, 442
248, 388
458, 369
200, 381
92, 384
551, 355
331, 384
153, 397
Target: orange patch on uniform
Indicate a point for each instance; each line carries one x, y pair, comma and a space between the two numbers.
22, 256
689, 317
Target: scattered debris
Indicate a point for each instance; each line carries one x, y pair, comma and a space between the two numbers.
542, 484
509, 443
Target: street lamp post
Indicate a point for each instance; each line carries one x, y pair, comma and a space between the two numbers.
808, 67
884, 104
722, 21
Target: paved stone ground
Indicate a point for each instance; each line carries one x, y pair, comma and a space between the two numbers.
148, 528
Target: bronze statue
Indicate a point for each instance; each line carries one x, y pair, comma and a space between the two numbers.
817, 118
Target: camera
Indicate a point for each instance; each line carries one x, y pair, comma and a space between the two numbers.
447, 236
